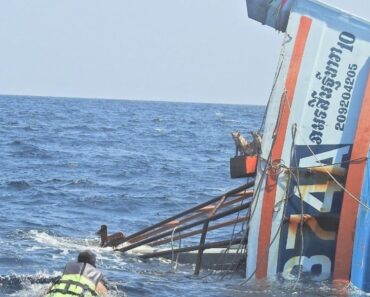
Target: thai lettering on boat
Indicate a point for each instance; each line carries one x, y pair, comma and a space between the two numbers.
320, 98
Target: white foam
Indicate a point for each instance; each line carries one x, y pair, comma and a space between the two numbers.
68, 245
32, 290
31, 286
39, 290
61, 242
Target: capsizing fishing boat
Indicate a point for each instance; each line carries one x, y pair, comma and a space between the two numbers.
307, 216
311, 186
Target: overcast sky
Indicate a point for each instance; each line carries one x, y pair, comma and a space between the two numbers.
174, 50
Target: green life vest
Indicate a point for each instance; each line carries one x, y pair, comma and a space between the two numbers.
78, 279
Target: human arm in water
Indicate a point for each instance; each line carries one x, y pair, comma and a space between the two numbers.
101, 289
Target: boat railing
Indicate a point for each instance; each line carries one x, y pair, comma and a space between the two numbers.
228, 210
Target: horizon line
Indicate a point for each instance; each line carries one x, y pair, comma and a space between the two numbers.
128, 99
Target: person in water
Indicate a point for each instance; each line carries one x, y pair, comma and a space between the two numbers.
79, 278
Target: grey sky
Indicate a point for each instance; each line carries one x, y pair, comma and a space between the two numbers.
176, 50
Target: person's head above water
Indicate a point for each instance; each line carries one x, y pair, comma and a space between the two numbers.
87, 256
80, 275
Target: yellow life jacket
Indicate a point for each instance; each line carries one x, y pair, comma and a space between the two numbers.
78, 279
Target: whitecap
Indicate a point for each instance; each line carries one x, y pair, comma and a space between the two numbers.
68, 245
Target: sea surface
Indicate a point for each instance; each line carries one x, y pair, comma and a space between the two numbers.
70, 165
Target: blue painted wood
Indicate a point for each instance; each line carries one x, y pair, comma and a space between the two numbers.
360, 275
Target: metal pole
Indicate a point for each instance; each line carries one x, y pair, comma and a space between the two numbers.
218, 244
230, 193
168, 233
201, 248
185, 235
187, 219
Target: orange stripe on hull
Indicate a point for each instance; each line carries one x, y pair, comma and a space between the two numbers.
355, 175
271, 182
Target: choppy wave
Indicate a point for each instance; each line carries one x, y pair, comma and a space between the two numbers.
25, 149
27, 285
18, 185
37, 285
64, 243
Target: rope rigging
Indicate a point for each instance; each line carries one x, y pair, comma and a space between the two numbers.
325, 165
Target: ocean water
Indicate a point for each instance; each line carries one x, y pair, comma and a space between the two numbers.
70, 165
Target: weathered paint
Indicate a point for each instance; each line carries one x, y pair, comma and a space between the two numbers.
274, 13
269, 196
360, 275
343, 255
320, 90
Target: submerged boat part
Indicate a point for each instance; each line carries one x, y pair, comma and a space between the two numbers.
191, 236
360, 274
